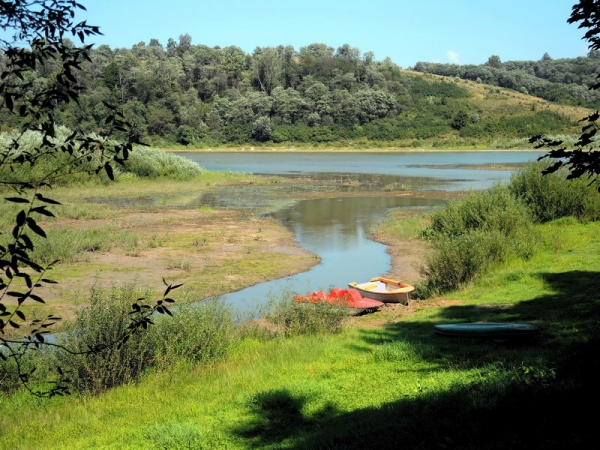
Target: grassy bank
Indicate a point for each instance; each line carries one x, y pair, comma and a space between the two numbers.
392, 384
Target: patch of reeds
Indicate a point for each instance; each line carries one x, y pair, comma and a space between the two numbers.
74, 244
290, 318
147, 162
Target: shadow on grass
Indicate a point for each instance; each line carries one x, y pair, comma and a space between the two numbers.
519, 406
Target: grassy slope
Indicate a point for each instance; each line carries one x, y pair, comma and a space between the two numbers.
372, 386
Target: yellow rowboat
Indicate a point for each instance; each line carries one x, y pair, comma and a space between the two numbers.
384, 290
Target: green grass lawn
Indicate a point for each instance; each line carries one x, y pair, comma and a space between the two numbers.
392, 386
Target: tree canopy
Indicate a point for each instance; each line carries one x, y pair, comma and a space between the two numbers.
584, 158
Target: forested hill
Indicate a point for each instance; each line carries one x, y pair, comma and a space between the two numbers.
185, 94
565, 81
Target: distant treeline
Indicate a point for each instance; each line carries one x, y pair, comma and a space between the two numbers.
198, 95
566, 81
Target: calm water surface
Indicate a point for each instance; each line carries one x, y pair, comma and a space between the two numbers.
336, 229
438, 165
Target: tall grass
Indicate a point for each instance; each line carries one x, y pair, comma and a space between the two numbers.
197, 333
491, 209
154, 163
99, 324
292, 318
72, 245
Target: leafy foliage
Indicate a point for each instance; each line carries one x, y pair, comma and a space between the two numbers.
553, 195
195, 95
43, 26
472, 235
566, 80
584, 159
193, 333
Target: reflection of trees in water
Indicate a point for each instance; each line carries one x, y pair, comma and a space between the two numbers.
337, 222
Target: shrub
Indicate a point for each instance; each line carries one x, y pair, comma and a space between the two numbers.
97, 325
472, 235
292, 318
491, 209
456, 261
198, 332
553, 196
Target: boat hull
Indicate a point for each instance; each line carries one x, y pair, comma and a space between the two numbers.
384, 290
487, 330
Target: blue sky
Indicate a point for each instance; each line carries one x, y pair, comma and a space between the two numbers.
462, 31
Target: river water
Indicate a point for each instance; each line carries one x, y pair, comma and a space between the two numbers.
458, 170
337, 229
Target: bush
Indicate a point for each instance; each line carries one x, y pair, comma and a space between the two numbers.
472, 235
491, 209
199, 332
455, 262
293, 318
97, 325
553, 196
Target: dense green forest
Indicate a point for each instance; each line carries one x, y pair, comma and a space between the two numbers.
566, 80
201, 96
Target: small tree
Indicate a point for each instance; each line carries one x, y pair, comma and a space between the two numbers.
584, 158
43, 27
494, 61
261, 129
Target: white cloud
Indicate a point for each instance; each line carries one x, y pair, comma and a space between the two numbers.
453, 57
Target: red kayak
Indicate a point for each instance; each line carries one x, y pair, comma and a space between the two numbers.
349, 298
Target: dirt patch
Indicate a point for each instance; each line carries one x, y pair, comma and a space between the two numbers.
407, 256
212, 252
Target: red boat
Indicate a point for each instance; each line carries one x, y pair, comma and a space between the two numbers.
349, 298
